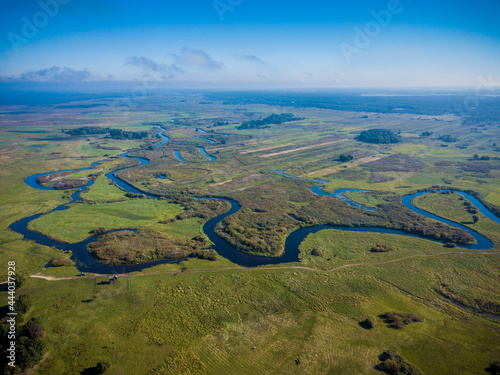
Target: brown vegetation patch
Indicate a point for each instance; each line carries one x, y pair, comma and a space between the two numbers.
350, 174
398, 319
129, 247
396, 162
251, 177
444, 163
379, 178
63, 183
479, 167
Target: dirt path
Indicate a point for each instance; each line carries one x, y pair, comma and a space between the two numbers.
266, 148
303, 148
52, 278
220, 183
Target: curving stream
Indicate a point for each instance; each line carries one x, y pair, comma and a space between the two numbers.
88, 263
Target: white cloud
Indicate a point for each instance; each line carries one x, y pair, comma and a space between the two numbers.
166, 71
197, 57
253, 58
55, 74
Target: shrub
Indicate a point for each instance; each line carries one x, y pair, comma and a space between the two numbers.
393, 363
397, 322
344, 158
99, 231
205, 254
412, 317
23, 303
398, 319
22, 279
61, 262
390, 366
381, 248
317, 252
448, 138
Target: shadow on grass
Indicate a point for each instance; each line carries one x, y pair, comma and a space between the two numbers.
91, 371
365, 324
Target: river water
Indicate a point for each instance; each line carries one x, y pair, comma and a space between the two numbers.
88, 263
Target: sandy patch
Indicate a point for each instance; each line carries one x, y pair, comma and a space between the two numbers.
303, 148
221, 183
265, 148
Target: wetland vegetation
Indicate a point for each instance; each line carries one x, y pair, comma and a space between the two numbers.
205, 314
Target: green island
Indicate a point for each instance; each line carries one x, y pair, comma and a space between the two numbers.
418, 298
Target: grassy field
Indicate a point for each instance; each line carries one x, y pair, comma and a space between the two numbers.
77, 224
262, 321
103, 190
339, 248
451, 206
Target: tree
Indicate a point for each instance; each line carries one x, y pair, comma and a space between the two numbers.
23, 303
317, 252
345, 157
22, 279
99, 231
475, 218
379, 136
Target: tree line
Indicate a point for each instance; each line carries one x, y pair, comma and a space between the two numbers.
273, 119
112, 133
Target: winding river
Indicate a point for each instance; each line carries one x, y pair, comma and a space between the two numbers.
88, 263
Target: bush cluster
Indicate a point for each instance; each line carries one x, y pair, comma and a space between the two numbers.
381, 248
395, 364
398, 319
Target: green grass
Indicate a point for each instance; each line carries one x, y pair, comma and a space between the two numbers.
366, 199
75, 224
450, 206
339, 248
103, 190
213, 320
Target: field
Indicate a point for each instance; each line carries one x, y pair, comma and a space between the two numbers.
202, 316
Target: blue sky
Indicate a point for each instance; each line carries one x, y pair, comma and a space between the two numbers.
251, 43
